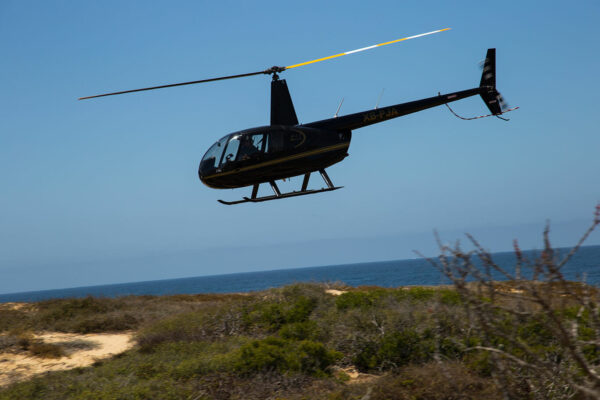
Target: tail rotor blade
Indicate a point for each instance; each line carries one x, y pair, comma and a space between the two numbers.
503, 104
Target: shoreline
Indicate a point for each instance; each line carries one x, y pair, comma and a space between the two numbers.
392, 273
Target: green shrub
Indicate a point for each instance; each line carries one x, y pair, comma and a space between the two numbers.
359, 299
273, 315
480, 362
450, 349
312, 290
415, 293
105, 323
450, 297
307, 330
147, 370
56, 309
36, 388
367, 359
407, 346
275, 354
300, 309
397, 349
270, 315
261, 355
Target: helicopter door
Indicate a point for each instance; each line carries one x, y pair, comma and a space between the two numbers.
286, 142
231, 150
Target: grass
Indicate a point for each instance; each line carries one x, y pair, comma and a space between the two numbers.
283, 343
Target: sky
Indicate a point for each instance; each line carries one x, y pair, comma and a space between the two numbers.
106, 190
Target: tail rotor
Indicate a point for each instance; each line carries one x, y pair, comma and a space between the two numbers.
487, 87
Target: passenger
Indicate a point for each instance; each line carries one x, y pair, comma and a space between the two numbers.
247, 149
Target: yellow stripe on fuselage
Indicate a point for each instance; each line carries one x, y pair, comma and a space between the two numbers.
280, 160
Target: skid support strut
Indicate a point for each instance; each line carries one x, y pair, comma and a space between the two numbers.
326, 178
305, 182
275, 189
278, 195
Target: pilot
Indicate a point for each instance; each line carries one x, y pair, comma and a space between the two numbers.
247, 149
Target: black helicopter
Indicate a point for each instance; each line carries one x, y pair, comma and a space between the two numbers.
285, 149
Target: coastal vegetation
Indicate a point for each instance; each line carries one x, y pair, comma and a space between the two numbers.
293, 342
300, 342
534, 335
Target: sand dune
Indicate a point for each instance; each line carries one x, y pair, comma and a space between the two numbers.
82, 351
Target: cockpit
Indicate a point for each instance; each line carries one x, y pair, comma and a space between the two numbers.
232, 149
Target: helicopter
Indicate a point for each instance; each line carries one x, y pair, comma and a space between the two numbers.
286, 149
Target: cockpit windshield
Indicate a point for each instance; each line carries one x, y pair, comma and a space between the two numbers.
212, 158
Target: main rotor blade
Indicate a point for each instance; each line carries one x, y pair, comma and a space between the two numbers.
174, 84
272, 70
364, 48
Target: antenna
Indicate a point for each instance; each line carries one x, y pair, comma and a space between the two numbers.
338, 110
379, 99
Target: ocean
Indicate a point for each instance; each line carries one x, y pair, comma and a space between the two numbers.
384, 273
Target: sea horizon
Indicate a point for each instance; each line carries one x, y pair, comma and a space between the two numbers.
388, 273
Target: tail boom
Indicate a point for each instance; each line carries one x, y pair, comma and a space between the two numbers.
487, 90
370, 117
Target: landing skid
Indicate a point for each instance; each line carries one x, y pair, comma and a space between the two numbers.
278, 195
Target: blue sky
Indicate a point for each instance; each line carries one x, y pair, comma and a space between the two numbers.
106, 190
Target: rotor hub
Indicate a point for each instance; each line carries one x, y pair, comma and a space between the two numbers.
273, 71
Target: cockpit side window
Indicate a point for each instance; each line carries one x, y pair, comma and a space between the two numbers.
258, 141
251, 146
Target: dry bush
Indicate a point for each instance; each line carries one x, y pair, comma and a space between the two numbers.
97, 314
46, 350
12, 319
212, 323
7, 341
266, 385
536, 334
379, 329
24, 339
435, 381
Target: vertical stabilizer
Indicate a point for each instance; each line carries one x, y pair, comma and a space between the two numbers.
489, 94
488, 76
